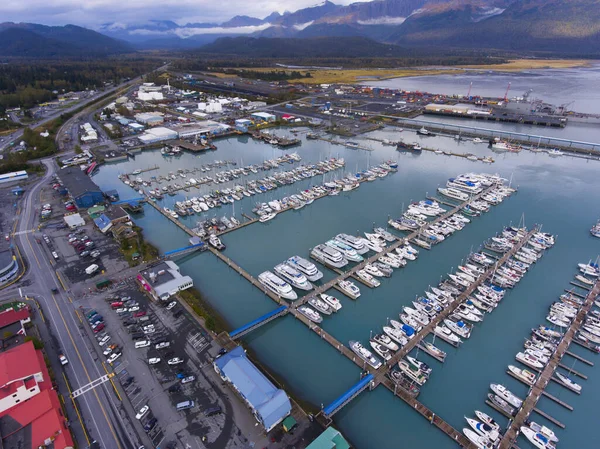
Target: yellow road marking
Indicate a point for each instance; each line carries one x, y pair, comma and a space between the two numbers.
61, 282
34, 254
111, 375
86, 371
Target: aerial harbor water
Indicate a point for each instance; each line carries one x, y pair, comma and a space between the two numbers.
559, 193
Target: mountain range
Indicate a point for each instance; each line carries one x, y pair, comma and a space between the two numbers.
31, 40
558, 26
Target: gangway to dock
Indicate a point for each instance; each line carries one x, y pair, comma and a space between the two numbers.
345, 398
136, 200
185, 250
258, 322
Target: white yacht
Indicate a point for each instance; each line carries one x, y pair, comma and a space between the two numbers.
353, 242
412, 372
306, 267
446, 334
424, 367
372, 245
320, 305
381, 350
373, 270
507, 395
479, 441
396, 335
311, 314
293, 276
545, 431
349, 288
483, 429
537, 439
453, 193
329, 256
385, 340
362, 274
331, 301
484, 418
525, 375
267, 217
348, 252
458, 327
277, 285
365, 354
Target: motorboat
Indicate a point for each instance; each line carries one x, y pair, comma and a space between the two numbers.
381, 350
453, 193
422, 366
483, 429
567, 382
349, 288
391, 262
408, 331
584, 280
331, 301
387, 236
216, 243
481, 442
545, 349
353, 242
320, 305
373, 270
365, 354
348, 252
410, 321
481, 259
413, 373
396, 335
384, 268
366, 277
329, 256
589, 269
446, 334
433, 350
525, 375
545, 431
266, 217
501, 404
386, 341
311, 314
484, 418
458, 327
537, 439
306, 267
376, 238
530, 360
372, 245
421, 317
293, 276
277, 285
507, 395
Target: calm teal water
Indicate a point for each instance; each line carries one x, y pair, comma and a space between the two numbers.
560, 193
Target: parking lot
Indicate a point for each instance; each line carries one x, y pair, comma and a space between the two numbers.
160, 369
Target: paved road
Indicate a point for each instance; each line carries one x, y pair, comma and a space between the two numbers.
100, 406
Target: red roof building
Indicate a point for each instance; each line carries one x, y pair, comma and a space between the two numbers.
11, 316
30, 411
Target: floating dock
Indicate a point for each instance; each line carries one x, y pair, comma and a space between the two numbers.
537, 390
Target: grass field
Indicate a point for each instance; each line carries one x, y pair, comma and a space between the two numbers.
350, 76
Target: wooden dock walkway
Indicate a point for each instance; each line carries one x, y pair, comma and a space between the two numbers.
581, 359
536, 391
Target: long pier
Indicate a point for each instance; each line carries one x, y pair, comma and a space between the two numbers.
537, 390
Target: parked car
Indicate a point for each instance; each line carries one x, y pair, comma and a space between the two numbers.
116, 304
174, 388
142, 412
139, 314
171, 305
150, 424
162, 345
175, 361
154, 360
134, 309
188, 379
104, 340
98, 328
113, 357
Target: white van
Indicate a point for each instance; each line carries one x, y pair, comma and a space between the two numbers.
185, 405
142, 344
55, 255
91, 269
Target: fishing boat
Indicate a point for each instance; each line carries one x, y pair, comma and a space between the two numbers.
425, 132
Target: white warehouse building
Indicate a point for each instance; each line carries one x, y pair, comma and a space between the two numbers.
157, 134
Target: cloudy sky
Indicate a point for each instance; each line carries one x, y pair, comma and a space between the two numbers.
92, 13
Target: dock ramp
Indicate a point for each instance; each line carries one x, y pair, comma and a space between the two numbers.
345, 398
185, 250
258, 322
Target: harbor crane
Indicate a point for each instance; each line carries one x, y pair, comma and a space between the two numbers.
506, 93
469, 92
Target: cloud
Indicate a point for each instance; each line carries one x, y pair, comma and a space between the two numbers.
93, 13
301, 26
185, 32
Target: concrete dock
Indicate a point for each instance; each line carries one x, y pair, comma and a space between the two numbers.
537, 390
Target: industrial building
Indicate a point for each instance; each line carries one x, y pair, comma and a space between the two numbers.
8, 265
158, 134
269, 404
202, 128
30, 410
150, 118
164, 280
243, 124
13, 176
80, 187
212, 107
263, 117
150, 92
459, 108
89, 133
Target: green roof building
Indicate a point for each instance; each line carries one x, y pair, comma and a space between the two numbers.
329, 439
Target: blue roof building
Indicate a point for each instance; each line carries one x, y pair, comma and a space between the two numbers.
269, 404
